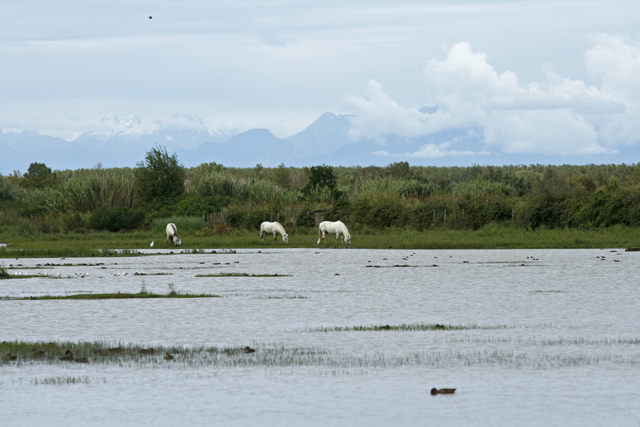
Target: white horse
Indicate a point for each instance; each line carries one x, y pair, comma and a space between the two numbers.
336, 228
172, 234
273, 228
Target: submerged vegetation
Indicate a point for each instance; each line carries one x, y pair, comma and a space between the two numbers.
405, 327
242, 275
125, 207
275, 356
117, 295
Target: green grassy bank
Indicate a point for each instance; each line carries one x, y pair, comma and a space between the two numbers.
492, 236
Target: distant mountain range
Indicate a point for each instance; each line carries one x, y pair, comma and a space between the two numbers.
325, 141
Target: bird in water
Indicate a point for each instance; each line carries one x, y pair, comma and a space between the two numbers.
435, 391
248, 349
10, 357
67, 356
82, 360
168, 357
35, 352
154, 240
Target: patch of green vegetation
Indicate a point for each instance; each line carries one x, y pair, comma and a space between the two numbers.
404, 327
242, 275
138, 356
152, 274
492, 236
546, 292
119, 295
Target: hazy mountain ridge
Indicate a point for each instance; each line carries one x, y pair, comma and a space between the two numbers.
326, 140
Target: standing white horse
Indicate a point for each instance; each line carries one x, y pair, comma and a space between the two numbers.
273, 228
336, 228
172, 234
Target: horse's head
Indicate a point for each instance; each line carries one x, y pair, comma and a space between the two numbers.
177, 240
285, 238
347, 239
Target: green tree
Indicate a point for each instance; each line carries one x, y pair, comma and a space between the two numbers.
38, 176
282, 176
321, 176
159, 177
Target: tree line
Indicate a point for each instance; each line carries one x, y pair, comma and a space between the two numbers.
368, 199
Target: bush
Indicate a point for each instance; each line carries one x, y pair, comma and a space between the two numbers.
198, 206
116, 219
306, 218
159, 177
380, 213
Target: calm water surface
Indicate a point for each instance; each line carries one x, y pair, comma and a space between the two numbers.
566, 350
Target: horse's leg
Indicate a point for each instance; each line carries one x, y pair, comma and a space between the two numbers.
275, 236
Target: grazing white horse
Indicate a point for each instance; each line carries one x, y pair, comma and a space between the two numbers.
336, 228
172, 234
273, 228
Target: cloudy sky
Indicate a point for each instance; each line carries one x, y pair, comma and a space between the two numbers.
541, 77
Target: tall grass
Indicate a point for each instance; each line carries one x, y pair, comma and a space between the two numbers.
248, 189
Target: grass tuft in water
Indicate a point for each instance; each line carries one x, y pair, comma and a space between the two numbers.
118, 295
242, 275
274, 356
403, 327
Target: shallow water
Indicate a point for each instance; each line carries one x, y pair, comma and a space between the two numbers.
566, 350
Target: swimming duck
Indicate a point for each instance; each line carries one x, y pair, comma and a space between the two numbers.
67, 356
435, 391
35, 352
10, 356
82, 360
168, 357
385, 327
248, 349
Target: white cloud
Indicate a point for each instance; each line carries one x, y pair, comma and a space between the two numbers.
556, 116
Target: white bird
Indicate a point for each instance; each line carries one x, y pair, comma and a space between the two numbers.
152, 243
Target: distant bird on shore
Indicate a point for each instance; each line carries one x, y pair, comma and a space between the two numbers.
152, 243
10, 356
168, 357
435, 391
82, 360
35, 352
248, 349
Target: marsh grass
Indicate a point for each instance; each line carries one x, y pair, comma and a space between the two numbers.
119, 295
492, 236
67, 380
137, 356
403, 327
4, 274
242, 275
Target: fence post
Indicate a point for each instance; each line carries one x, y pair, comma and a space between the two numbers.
513, 215
445, 217
271, 216
278, 216
454, 218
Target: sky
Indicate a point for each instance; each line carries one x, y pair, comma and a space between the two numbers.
541, 77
